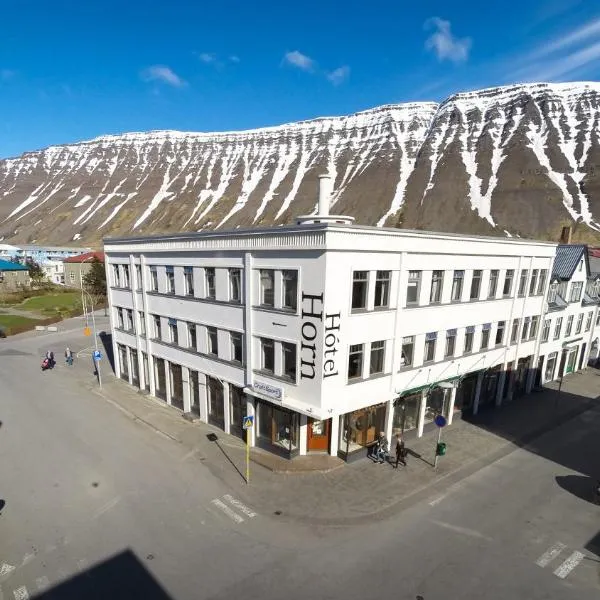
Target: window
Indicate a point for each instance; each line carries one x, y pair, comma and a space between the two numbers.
508, 282
170, 280
535, 322
267, 355
588, 321
377, 357
71, 276
546, 330
212, 336
120, 322
192, 339
408, 349
235, 285
157, 329
209, 282
569, 326
457, 285
552, 293
355, 361
542, 281
188, 278
130, 324
514, 334
430, 339
267, 287
142, 319
173, 334
500, 333
237, 347
494, 274
437, 280
476, 285
414, 287
557, 328
450, 343
359, 289
523, 282
485, 335
138, 276
116, 277
289, 360
576, 288
469, 333
525, 329
153, 279
290, 290
126, 276
382, 289
534, 281
579, 324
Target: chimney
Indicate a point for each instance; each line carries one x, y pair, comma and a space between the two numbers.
325, 186
566, 235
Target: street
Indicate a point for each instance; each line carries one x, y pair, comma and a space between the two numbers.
86, 486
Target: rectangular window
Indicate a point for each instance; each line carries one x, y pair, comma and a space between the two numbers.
382, 289
552, 294
267, 355
557, 328
173, 334
157, 327
355, 361
116, 276
192, 338
138, 276
579, 324
535, 322
290, 289
534, 281
450, 343
359, 289
546, 330
126, 282
457, 285
130, 324
267, 287
142, 319
500, 333
120, 322
576, 288
188, 277
237, 347
170, 280
414, 287
476, 285
235, 285
408, 349
485, 335
209, 282
514, 334
430, 340
542, 281
153, 279
289, 360
437, 281
469, 333
588, 321
508, 283
494, 274
377, 357
525, 329
212, 337
569, 326
523, 283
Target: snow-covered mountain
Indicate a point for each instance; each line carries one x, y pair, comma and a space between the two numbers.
519, 160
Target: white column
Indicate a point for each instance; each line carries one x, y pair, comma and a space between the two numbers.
335, 435
389, 420
303, 435
500, 388
477, 392
168, 381
203, 397
451, 403
251, 412
422, 407
226, 411
185, 380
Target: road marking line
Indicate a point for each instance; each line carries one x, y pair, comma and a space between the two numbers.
106, 507
239, 505
463, 530
545, 559
21, 593
6, 569
437, 500
230, 513
28, 558
569, 564
42, 583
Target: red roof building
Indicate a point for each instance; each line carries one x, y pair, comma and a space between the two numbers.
88, 256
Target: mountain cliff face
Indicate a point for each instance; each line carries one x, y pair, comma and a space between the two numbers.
520, 160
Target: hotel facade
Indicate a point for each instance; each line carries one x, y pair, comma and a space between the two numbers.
329, 332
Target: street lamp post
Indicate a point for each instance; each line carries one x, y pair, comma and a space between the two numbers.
96, 362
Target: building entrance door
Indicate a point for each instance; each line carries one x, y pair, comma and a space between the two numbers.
317, 438
538, 372
571, 360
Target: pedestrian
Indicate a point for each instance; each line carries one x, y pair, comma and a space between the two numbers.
382, 448
400, 451
52, 362
69, 356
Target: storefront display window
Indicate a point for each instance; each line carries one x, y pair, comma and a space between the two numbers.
435, 403
176, 381
160, 379
194, 393
360, 429
135, 372
278, 429
465, 393
123, 362
238, 410
406, 413
550, 367
216, 409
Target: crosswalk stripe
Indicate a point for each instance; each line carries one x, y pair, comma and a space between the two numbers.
548, 556
21, 593
42, 583
239, 505
5, 569
568, 565
230, 513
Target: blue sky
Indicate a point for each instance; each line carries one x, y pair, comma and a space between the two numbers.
71, 71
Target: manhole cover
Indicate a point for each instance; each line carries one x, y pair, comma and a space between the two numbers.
277, 512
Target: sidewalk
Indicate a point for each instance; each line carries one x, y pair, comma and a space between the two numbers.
323, 490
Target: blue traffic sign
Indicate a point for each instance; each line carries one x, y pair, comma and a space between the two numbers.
248, 422
440, 421
97, 355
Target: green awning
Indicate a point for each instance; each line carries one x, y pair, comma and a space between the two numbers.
428, 385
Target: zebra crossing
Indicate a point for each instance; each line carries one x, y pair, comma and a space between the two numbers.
562, 560
227, 503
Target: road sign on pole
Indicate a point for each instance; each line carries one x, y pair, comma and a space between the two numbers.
441, 422
87, 331
247, 424
97, 355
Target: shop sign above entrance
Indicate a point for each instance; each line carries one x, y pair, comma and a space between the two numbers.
266, 389
440, 421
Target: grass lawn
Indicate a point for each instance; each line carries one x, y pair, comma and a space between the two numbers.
52, 303
7, 321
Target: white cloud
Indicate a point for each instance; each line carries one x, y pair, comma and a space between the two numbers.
581, 34
339, 75
207, 57
299, 60
443, 43
162, 74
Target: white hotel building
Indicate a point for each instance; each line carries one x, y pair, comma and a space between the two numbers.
329, 332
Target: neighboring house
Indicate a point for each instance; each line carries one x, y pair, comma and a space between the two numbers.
13, 276
43, 254
76, 267
54, 271
8, 252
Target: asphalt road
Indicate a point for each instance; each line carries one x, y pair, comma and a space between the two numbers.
99, 506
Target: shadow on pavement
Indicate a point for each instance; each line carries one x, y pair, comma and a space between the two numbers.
593, 545
122, 577
2, 504
212, 437
106, 339
579, 485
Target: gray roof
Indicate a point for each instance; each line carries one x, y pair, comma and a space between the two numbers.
567, 259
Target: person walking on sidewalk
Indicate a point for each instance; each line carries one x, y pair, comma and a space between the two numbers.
400, 451
382, 448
